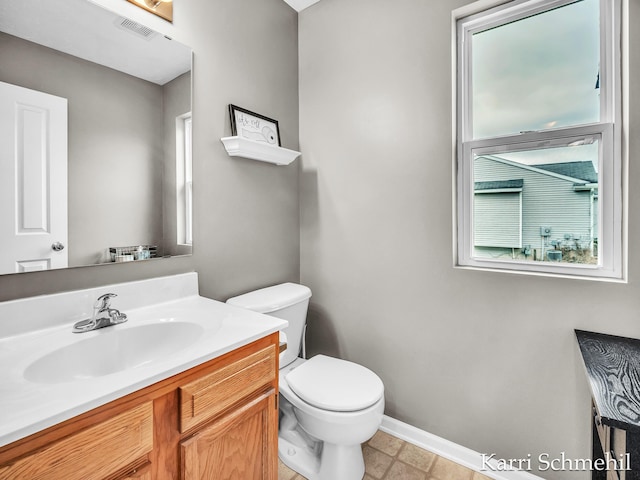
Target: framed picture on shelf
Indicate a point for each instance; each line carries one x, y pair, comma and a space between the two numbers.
253, 126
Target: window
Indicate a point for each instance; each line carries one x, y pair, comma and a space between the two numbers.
497, 214
184, 183
538, 159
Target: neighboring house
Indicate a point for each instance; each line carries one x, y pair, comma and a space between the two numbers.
525, 211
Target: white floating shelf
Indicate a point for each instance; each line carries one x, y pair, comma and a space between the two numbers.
261, 151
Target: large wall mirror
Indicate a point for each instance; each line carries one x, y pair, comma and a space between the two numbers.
95, 138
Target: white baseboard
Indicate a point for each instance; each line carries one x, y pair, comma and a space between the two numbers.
449, 450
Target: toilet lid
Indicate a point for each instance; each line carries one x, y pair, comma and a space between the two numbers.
336, 385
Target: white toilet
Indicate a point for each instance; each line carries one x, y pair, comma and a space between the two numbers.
328, 406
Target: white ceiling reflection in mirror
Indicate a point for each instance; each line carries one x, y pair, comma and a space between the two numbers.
81, 29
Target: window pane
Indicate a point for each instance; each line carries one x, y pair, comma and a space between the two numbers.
538, 204
537, 73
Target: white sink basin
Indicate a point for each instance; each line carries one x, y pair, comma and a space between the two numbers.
112, 350
49, 374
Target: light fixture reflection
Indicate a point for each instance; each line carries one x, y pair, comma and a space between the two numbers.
154, 3
582, 141
162, 8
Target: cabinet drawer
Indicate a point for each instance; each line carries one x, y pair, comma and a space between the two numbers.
93, 453
208, 396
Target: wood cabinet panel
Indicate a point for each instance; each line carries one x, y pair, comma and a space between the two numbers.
210, 395
126, 437
239, 445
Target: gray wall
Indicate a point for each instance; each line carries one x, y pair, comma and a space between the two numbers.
246, 212
115, 194
487, 360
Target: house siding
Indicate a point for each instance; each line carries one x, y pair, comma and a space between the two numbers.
547, 201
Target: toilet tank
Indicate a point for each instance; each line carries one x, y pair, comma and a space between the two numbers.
288, 301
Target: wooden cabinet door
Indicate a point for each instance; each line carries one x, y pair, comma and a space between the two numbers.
240, 445
94, 453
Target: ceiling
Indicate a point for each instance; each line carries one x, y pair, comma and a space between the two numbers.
81, 29
78, 28
300, 5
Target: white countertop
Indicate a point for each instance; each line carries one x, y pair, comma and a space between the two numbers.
27, 407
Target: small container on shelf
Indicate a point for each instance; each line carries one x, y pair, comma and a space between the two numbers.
135, 252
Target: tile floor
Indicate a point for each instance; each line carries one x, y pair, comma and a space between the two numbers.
389, 458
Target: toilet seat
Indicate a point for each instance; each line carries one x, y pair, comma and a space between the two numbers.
335, 385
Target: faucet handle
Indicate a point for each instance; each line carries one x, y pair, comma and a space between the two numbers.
104, 301
117, 316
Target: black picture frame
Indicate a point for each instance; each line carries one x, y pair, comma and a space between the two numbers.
254, 126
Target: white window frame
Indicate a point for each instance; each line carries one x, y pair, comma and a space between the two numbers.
184, 180
612, 241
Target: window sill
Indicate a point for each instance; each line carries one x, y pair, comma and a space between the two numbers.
547, 274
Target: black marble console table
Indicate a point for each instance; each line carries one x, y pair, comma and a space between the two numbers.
613, 370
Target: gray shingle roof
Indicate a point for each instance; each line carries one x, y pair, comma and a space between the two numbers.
499, 184
580, 170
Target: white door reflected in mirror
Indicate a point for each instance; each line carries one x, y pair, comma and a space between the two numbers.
33, 180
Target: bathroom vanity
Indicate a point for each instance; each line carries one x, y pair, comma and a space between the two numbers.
202, 411
613, 369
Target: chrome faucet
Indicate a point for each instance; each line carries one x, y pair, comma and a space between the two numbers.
103, 315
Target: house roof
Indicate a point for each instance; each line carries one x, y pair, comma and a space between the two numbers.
564, 171
580, 170
499, 184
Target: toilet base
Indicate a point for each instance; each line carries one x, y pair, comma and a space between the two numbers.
334, 462
299, 459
